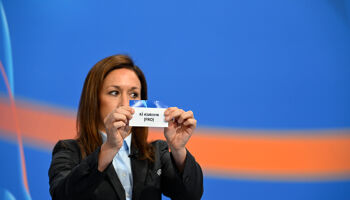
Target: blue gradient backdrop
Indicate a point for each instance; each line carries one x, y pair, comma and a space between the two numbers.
239, 64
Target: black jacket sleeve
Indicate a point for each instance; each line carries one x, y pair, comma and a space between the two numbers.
187, 185
69, 176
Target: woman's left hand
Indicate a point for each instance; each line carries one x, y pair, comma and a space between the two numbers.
180, 128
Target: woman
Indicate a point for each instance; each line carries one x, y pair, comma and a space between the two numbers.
111, 160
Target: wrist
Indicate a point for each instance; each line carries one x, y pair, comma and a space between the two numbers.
179, 156
106, 147
180, 150
106, 156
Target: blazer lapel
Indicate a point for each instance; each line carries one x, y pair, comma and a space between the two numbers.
139, 171
113, 178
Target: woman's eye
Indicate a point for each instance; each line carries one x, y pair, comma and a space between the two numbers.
134, 95
114, 93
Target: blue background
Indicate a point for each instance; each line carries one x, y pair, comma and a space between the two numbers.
239, 64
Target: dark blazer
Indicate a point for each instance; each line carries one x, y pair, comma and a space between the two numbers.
74, 178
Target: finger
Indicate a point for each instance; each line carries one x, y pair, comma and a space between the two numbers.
174, 114
124, 111
118, 124
128, 108
190, 123
109, 119
169, 110
119, 117
184, 116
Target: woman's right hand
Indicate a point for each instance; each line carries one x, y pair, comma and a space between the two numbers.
117, 128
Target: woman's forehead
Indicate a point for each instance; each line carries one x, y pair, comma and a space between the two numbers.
122, 78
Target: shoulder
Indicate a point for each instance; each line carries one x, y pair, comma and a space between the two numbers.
67, 146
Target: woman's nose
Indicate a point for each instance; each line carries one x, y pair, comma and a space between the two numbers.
125, 100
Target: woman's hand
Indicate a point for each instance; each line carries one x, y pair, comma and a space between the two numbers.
180, 128
117, 128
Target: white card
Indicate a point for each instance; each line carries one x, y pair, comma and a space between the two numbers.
148, 114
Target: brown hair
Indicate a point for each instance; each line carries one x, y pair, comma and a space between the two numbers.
88, 117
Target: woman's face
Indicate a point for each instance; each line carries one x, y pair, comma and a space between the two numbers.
120, 86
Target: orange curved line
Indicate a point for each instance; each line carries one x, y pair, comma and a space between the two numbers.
300, 155
18, 130
280, 154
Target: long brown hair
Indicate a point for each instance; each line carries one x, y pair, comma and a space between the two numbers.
88, 117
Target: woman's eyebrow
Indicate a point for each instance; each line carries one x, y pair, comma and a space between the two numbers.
134, 88
118, 87
114, 86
